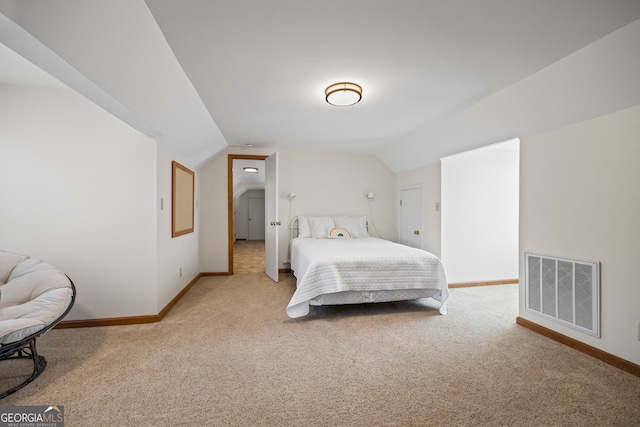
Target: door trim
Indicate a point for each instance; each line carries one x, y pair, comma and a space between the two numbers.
230, 158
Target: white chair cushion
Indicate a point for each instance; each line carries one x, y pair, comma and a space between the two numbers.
8, 261
16, 329
30, 279
35, 295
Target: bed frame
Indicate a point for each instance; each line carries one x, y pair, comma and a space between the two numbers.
342, 296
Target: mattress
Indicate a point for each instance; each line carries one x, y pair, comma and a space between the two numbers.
364, 269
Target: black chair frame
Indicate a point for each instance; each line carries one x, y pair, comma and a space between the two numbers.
26, 348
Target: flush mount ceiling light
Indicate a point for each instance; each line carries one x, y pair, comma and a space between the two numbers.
343, 94
250, 170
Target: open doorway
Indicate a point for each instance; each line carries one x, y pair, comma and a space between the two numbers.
246, 223
249, 230
480, 214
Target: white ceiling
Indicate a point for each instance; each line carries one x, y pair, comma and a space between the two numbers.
199, 75
240, 176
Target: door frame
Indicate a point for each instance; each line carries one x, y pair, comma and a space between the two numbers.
230, 159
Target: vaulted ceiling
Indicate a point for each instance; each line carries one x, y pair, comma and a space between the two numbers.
438, 77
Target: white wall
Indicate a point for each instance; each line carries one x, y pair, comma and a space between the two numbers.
325, 183
336, 183
580, 198
78, 190
480, 214
428, 179
174, 252
81, 190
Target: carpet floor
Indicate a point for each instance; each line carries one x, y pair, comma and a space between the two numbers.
228, 355
248, 256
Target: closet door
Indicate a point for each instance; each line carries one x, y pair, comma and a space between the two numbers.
256, 228
411, 217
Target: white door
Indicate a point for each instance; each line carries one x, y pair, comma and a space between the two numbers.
271, 222
411, 217
255, 229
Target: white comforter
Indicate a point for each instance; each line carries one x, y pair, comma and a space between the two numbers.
324, 266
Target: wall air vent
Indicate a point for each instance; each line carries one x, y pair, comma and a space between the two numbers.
564, 290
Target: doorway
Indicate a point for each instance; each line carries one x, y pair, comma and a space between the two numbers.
249, 229
246, 254
480, 214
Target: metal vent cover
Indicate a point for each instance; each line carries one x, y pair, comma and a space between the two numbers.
564, 290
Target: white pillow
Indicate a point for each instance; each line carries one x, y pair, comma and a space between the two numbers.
320, 226
304, 226
357, 225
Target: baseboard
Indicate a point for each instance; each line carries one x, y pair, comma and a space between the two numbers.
133, 320
109, 321
603, 356
178, 297
489, 283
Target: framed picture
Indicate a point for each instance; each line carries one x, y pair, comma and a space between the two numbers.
182, 198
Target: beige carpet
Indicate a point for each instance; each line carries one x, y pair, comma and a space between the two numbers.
227, 354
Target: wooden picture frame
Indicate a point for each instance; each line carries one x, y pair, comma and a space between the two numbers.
182, 200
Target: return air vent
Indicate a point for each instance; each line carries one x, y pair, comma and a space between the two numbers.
564, 290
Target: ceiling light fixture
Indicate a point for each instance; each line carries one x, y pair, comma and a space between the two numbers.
343, 94
250, 170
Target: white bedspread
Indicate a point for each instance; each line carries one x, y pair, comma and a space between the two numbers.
324, 266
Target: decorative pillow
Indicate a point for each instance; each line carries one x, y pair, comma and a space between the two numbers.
304, 226
357, 225
339, 233
320, 226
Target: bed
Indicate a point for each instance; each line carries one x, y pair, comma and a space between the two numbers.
336, 261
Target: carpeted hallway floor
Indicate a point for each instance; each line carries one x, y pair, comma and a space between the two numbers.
248, 256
